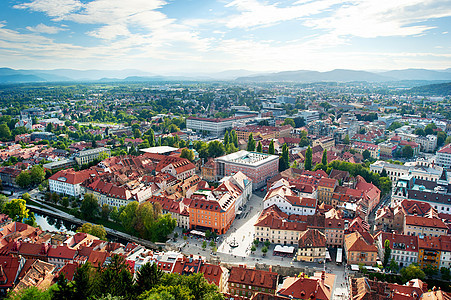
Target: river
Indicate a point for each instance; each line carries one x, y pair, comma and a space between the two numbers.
53, 224
57, 225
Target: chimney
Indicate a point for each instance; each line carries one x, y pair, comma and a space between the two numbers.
323, 276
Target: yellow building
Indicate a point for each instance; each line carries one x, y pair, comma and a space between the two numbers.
429, 251
358, 250
312, 246
326, 187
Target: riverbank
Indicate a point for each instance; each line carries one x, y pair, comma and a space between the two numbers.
48, 210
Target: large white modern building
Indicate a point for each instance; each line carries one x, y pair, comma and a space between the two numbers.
260, 167
215, 126
87, 156
444, 157
394, 171
308, 115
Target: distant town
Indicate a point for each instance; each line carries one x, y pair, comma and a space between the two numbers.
225, 190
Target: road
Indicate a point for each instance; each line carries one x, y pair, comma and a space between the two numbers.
382, 203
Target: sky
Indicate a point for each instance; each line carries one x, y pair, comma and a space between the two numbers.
205, 36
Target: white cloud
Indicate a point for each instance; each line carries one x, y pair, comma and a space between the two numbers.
42, 28
253, 13
370, 19
53, 8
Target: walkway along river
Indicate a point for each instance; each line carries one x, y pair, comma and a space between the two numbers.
71, 223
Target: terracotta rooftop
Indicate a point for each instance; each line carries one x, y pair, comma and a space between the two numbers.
258, 278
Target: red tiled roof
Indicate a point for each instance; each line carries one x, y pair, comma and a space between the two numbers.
425, 222
9, 269
355, 242
252, 277
312, 238
62, 252
71, 176
69, 270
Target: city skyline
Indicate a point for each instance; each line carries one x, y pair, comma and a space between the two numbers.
175, 37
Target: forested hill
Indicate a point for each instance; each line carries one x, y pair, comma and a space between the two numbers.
441, 89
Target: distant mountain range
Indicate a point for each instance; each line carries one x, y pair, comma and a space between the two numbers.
9, 76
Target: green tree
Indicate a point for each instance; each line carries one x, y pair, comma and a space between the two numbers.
346, 140
308, 159
114, 215
430, 270
231, 148
26, 197
136, 133
16, 209
37, 174
420, 131
429, 129
65, 201
31, 293
387, 253
441, 137
49, 127
448, 140
89, 207
253, 248
251, 143
234, 138
226, 138
393, 266
385, 185
3, 200
324, 158
412, 271
64, 290
5, 133
271, 149
164, 226
395, 125
148, 277
188, 154
366, 154
103, 155
127, 216
115, 278
105, 211
303, 142
83, 282
215, 149
152, 138
284, 161
289, 121
95, 230
264, 250
445, 273
407, 151
259, 147
23, 179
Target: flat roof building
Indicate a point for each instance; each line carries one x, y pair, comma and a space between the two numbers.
260, 167
87, 156
215, 126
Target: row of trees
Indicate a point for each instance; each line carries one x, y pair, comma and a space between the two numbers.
144, 220
382, 181
115, 281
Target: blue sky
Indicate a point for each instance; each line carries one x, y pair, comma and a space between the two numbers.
181, 36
